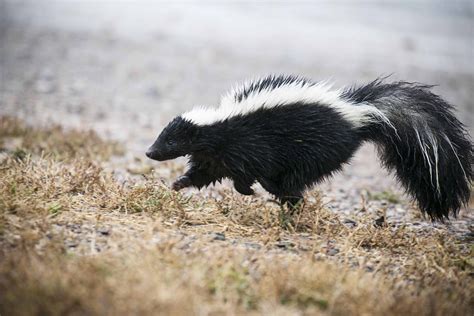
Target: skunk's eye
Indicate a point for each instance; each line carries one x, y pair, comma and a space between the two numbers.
170, 142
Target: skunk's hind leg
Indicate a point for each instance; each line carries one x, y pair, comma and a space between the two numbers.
294, 202
293, 198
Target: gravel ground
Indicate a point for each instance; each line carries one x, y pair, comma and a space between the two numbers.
126, 68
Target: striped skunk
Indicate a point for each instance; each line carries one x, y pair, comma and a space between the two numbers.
288, 133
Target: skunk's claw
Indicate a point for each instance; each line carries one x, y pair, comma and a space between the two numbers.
181, 183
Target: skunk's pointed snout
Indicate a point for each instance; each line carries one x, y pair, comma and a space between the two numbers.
155, 154
149, 153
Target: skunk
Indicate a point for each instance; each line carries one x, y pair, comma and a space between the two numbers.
289, 133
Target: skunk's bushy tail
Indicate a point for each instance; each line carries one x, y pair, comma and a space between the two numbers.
421, 139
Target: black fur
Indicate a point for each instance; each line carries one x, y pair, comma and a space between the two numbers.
289, 148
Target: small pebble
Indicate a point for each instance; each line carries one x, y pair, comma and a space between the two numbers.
252, 245
219, 236
285, 244
379, 222
103, 231
71, 244
350, 223
332, 252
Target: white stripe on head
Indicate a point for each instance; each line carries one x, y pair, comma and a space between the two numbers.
250, 97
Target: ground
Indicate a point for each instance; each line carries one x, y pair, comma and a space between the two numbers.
88, 225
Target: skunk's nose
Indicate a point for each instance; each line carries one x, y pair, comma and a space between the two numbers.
149, 153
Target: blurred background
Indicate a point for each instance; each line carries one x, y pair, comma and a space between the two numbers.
125, 68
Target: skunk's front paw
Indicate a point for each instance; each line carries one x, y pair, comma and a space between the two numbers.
181, 183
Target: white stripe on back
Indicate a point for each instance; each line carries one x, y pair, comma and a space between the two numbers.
288, 93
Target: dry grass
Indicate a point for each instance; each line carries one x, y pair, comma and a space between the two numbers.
53, 140
73, 240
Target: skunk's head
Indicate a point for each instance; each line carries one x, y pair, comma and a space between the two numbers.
175, 140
